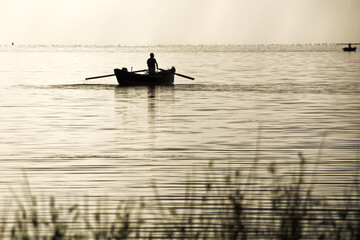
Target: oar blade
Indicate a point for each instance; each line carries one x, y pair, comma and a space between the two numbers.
184, 76
110, 75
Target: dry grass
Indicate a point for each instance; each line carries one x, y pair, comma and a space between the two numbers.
232, 208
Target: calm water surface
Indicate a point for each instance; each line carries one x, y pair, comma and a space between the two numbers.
77, 137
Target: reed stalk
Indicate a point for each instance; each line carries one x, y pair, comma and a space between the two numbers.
232, 207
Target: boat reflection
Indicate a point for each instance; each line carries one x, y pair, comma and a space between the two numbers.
140, 110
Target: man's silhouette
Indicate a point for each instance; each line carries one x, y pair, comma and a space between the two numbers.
152, 64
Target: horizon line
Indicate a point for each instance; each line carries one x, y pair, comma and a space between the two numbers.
182, 44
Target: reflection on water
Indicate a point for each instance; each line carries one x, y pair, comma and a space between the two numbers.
126, 136
95, 138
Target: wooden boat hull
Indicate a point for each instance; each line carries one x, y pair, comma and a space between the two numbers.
126, 78
347, 49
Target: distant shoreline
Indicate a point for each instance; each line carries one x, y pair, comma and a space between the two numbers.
309, 47
173, 45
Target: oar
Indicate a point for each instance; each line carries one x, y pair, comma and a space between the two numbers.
191, 78
181, 75
110, 75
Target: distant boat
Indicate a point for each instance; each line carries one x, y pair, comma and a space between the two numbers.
164, 77
349, 49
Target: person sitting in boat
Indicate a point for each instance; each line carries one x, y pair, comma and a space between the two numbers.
349, 45
151, 62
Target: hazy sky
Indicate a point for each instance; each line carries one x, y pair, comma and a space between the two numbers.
134, 22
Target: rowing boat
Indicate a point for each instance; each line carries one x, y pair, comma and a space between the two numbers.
163, 77
349, 49
134, 78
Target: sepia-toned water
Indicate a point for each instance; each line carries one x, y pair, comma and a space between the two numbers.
73, 137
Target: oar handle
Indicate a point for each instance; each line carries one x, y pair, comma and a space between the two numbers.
139, 71
181, 75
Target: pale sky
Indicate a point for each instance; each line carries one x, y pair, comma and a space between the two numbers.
150, 22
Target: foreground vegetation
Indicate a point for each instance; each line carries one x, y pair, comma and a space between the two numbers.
231, 208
